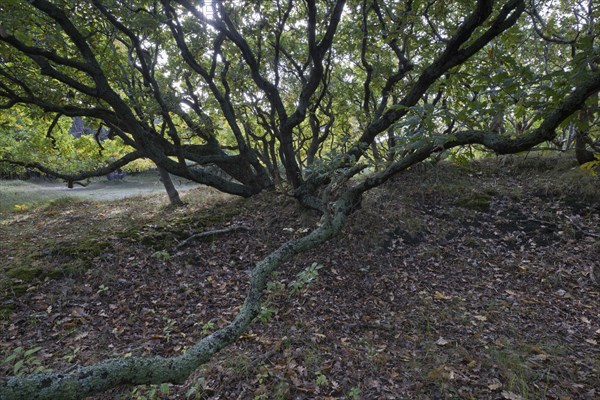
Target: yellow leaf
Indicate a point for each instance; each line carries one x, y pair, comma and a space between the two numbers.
441, 296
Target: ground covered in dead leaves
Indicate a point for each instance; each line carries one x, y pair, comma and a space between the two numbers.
472, 282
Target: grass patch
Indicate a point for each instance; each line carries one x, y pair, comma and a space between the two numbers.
59, 204
529, 370
21, 196
12, 288
573, 186
25, 273
515, 374
6, 310
84, 250
17, 195
552, 175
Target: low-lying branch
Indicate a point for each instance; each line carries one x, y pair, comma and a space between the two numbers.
71, 178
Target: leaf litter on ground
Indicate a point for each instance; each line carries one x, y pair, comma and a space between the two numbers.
423, 296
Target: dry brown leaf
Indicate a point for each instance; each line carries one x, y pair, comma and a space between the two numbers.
512, 396
495, 385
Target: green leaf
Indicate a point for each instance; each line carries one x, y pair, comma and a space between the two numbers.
164, 388
32, 351
17, 367
10, 358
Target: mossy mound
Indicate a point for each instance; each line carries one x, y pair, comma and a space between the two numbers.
74, 268
18, 279
475, 201
161, 239
12, 288
25, 273
162, 236
84, 250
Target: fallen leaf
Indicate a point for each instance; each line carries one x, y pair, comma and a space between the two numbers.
538, 357
442, 342
451, 375
441, 296
511, 396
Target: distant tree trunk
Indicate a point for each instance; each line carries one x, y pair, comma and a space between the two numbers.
376, 156
173, 194
274, 163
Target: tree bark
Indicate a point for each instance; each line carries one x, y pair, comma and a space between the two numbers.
173, 194
582, 154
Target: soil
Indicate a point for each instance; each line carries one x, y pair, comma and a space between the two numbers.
427, 294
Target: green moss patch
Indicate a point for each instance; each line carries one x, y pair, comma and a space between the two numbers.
25, 273
164, 235
160, 240
6, 310
476, 201
18, 279
85, 250
12, 288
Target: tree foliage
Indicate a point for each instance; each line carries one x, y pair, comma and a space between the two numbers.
244, 95
26, 139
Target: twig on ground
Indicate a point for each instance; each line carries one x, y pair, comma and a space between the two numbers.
212, 233
573, 224
581, 229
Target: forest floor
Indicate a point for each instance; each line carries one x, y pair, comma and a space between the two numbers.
452, 282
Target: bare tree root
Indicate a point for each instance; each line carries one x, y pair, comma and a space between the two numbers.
86, 381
